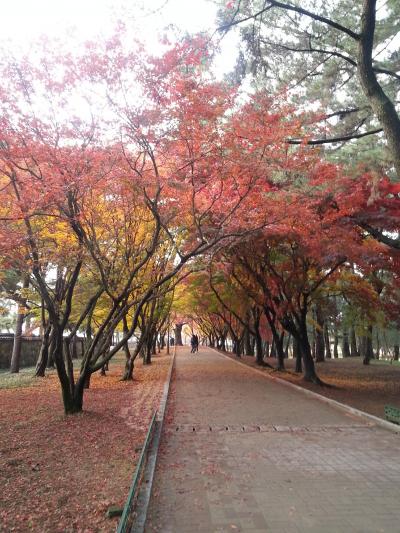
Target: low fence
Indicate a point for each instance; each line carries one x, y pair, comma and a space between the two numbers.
126, 520
30, 348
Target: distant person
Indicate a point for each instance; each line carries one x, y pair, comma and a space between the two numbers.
194, 343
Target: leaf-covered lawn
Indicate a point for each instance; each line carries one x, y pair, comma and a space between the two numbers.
60, 474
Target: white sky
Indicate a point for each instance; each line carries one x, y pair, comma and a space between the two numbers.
80, 20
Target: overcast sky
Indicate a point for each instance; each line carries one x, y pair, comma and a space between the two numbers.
80, 20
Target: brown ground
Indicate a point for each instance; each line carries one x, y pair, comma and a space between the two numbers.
368, 388
60, 474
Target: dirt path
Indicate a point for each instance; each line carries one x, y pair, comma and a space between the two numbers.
242, 453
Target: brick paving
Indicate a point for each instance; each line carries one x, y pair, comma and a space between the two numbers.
241, 453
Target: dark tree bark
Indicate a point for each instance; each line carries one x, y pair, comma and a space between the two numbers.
396, 352
319, 335
297, 326
44, 353
382, 106
297, 356
178, 334
248, 348
367, 347
345, 343
259, 349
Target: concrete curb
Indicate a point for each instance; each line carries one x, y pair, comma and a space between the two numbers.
337, 405
146, 486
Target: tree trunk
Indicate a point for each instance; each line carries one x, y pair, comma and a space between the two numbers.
247, 343
305, 348
272, 352
50, 360
162, 341
335, 342
345, 343
17, 346
396, 352
353, 343
308, 361
259, 349
378, 344
382, 106
368, 349
74, 348
280, 352
72, 395
44, 353
128, 372
328, 353
178, 334
297, 355
319, 335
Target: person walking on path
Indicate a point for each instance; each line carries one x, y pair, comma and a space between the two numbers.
194, 342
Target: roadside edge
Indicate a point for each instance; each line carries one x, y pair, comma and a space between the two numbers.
341, 406
144, 493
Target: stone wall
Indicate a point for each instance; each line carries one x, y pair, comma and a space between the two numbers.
29, 352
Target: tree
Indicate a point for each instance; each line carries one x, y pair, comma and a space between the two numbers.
151, 183
340, 54
324, 45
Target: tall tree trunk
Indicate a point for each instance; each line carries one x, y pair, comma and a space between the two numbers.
267, 349
345, 343
272, 352
368, 349
259, 349
280, 352
335, 342
353, 343
44, 353
130, 363
178, 334
378, 344
128, 373
17, 345
396, 352
248, 350
297, 326
319, 335
382, 106
328, 352
297, 355
72, 395
162, 341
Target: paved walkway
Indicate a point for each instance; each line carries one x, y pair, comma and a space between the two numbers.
241, 453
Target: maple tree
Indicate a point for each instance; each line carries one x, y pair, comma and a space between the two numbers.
179, 180
103, 214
